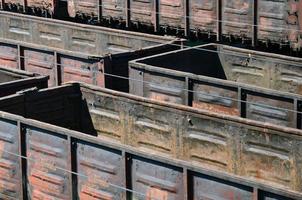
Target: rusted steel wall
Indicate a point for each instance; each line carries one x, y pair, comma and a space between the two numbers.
258, 154
12, 81
102, 44
249, 21
52, 48
220, 85
63, 66
237, 18
87, 39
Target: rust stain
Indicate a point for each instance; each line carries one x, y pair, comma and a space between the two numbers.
155, 193
216, 108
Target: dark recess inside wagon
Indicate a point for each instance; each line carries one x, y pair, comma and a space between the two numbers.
200, 61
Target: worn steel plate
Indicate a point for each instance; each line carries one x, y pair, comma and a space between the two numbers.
48, 165
101, 170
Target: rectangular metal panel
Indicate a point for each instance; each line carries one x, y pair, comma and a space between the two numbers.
267, 157
114, 9
237, 18
154, 130
246, 68
216, 98
106, 115
278, 21
208, 187
271, 196
272, 109
101, 172
42, 4
172, 13
86, 7
48, 164
10, 170
87, 39
163, 87
9, 56
203, 16
41, 62
82, 70
156, 180
51, 35
19, 29
142, 11
287, 76
83, 40
211, 138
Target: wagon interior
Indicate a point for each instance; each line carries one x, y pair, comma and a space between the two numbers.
223, 62
7, 75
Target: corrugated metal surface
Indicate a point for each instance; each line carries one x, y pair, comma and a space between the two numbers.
260, 155
183, 77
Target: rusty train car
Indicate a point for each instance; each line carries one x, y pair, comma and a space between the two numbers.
37, 7
251, 84
68, 51
104, 153
250, 21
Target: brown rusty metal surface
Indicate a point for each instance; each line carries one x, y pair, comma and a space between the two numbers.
207, 188
172, 13
261, 69
63, 66
237, 18
164, 88
282, 114
165, 77
99, 165
156, 180
40, 62
241, 159
47, 152
82, 38
88, 7
142, 12
82, 70
215, 98
278, 21
218, 140
207, 11
9, 56
114, 9
9, 165
48, 5
263, 21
